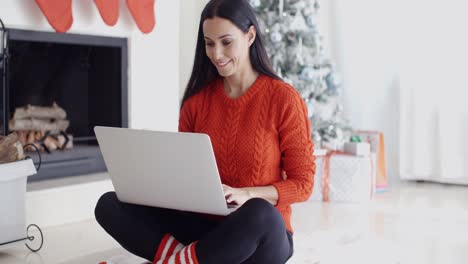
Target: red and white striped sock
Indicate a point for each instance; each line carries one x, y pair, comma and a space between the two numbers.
171, 251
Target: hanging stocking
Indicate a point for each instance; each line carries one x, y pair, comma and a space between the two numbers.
143, 14
58, 13
109, 10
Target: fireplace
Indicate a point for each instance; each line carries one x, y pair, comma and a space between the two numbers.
85, 75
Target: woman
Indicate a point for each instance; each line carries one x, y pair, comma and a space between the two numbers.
260, 133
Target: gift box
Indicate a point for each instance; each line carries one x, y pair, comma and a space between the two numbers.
357, 148
377, 146
344, 178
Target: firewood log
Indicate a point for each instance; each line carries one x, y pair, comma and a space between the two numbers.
61, 140
39, 125
37, 136
40, 112
31, 137
51, 143
10, 149
22, 136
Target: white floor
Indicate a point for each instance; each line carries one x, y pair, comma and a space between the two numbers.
412, 223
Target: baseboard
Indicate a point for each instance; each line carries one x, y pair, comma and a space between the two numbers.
64, 201
433, 178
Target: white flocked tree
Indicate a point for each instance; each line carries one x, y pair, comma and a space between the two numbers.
294, 44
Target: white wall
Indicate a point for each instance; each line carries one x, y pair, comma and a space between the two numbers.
153, 72
365, 47
434, 116
189, 19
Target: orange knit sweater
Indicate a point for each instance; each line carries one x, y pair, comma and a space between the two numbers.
256, 137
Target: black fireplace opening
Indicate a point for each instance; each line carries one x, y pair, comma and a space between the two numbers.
85, 75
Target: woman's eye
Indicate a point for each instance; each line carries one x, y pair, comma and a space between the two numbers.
209, 44
227, 43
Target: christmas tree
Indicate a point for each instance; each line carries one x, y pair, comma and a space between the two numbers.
294, 44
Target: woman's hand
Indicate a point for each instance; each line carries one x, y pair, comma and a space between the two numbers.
237, 196
241, 195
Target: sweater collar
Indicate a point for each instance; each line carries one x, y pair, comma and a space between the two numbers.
244, 98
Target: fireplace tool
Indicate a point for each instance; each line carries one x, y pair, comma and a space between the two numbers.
3, 73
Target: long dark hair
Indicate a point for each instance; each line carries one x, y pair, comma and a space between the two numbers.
241, 14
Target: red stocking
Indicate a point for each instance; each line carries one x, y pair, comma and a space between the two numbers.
109, 10
143, 14
58, 13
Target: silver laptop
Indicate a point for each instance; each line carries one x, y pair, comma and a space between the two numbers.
163, 169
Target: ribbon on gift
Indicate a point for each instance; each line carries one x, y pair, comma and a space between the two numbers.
326, 173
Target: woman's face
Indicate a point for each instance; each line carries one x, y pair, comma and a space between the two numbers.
227, 46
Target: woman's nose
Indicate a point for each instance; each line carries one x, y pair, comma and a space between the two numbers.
218, 52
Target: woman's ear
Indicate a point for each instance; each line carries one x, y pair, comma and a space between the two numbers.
251, 34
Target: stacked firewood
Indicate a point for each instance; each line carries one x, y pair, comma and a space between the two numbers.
45, 141
42, 126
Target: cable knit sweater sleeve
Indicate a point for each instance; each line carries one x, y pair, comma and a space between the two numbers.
296, 148
187, 116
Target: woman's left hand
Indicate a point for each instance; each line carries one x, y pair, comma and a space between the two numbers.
236, 196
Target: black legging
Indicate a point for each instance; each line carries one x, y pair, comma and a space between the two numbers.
254, 233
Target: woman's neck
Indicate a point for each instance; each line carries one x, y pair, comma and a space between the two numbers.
238, 83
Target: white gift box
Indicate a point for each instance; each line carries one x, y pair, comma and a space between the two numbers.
357, 148
12, 199
350, 178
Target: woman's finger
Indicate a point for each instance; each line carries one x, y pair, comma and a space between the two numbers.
231, 199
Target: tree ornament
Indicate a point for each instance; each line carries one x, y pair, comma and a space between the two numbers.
255, 3
311, 20
276, 37
308, 74
291, 36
